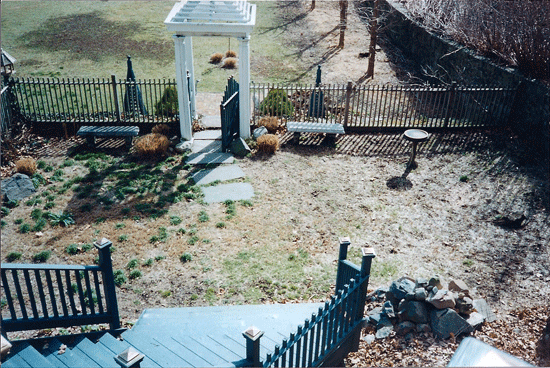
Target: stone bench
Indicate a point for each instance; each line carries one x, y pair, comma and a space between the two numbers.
92, 132
309, 127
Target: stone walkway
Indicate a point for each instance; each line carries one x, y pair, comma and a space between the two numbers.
221, 183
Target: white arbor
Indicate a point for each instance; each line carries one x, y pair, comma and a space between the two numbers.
190, 18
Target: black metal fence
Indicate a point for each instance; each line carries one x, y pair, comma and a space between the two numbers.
364, 107
229, 110
96, 101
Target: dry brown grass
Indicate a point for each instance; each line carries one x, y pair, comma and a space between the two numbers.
268, 143
161, 129
216, 58
229, 63
26, 165
271, 123
230, 54
152, 145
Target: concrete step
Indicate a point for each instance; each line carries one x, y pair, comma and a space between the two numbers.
211, 121
221, 173
231, 191
210, 158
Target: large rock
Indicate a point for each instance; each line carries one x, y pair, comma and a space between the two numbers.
388, 310
413, 311
404, 328
442, 299
446, 321
399, 289
475, 319
258, 132
481, 306
459, 286
18, 187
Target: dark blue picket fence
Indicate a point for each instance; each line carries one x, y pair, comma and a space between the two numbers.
229, 112
47, 296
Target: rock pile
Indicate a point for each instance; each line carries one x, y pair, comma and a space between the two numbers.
424, 305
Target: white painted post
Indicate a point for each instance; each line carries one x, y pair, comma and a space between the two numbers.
183, 94
244, 87
189, 63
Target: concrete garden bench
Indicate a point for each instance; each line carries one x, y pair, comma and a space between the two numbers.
331, 129
91, 132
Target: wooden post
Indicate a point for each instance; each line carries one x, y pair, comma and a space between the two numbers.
115, 98
252, 336
104, 248
343, 21
342, 255
348, 98
450, 103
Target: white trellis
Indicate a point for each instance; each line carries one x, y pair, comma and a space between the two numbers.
190, 18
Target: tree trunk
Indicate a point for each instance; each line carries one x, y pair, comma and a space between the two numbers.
343, 21
373, 35
312, 4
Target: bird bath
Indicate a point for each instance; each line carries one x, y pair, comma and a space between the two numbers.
415, 136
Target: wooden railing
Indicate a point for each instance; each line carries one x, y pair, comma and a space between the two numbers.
96, 101
372, 107
335, 329
47, 296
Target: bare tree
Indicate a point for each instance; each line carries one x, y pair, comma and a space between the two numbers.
343, 21
373, 36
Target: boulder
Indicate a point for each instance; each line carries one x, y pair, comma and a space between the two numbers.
18, 187
420, 294
404, 328
423, 327
239, 147
375, 315
459, 286
398, 289
369, 339
435, 282
421, 282
475, 319
446, 321
388, 310
464, 305
442, 299
258, 132
413, 311
384, 332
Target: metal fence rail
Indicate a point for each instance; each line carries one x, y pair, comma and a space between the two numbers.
5, 110
46, 296
362, 107
94, 101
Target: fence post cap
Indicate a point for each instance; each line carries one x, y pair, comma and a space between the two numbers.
345, 239
129, 358
103, 243
253, 333
368, 252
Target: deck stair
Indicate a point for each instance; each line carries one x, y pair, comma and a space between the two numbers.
215, 336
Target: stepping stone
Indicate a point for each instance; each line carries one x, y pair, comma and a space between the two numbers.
206, 146
223, 192
212, 121
222, 173
208, 135
200, 158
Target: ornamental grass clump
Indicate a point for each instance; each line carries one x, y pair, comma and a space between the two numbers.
268, 143
161, 129
152, 145
271, 123
26, 165
229, 63
230, 54
216, 58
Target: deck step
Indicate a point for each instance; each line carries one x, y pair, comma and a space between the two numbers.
96, 352
159, 354
69, 358
27, 356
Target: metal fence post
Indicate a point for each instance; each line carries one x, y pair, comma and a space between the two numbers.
450, 104
104, 248
115, 98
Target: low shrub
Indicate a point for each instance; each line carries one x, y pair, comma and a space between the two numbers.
271, 123
26, 165
152, 145
268, 143
230, 54
135, 274
13, 256
229, 63
216, 58
72, 249
119, 277
161, 129
186, 257
276, 103
168, 103
42, 256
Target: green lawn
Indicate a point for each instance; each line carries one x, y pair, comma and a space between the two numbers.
90, 39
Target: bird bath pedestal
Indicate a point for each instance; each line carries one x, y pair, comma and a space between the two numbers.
415, 136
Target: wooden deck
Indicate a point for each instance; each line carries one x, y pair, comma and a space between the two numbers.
176, 337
